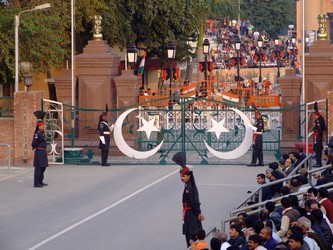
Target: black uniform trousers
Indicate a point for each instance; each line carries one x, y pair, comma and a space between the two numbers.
104, 156
257, 151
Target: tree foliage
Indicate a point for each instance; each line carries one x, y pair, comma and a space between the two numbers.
269, 16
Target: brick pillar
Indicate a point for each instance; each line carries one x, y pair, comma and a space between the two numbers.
96, 68
64, 94
330, 113
290, 85
25, 104
128, 94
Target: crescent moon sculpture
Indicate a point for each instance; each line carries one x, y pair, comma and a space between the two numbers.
123, 146
243, 147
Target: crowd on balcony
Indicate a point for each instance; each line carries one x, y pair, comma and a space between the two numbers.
225, 32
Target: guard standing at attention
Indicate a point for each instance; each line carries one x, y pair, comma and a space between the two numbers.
192, 215
104, 136
39, 144
318, 132
257, 143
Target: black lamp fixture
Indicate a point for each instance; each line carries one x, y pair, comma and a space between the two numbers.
131, 54
260, 44
307, 39
206, 46
171, 48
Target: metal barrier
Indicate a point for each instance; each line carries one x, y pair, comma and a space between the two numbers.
9, 166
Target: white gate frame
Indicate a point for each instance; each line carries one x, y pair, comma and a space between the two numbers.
54, 126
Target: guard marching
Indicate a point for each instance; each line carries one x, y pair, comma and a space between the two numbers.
39, 144
192, 215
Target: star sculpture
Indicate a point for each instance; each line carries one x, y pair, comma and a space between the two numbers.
218, 127
148, 127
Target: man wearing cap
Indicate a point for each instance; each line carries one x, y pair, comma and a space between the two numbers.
192, 215
318, 131
258, 142
104, 136
39, 144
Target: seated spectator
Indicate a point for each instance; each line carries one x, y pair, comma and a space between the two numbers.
266, 192
295, 205
200, 243
296, 242
322, 224
288, 166
275, 188
285, 190
294, 185
326, 204
268, 241
235, 238
254, 243
249, 221
223, 237
295, 157
273, 215
215, 244
289, 215
269, 223
309, 235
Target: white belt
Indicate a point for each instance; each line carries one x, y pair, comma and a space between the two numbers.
257, 133
106, 132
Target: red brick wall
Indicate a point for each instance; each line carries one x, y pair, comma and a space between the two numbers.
6, 137
25, 104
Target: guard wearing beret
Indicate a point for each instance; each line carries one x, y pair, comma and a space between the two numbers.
318, 132
104, 136
192, 215
258, 141
39, 144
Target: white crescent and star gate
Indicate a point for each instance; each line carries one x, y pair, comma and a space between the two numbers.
209, 135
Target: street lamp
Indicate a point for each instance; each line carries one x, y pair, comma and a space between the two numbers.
238, 45
171, 55
260, 44
131, 54
307, 39
206, 46
17, 24
293, 42
277, 51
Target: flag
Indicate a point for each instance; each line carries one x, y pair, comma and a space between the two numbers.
142, 66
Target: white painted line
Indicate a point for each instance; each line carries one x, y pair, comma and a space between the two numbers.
100, 212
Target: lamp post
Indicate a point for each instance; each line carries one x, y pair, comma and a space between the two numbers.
293, 42
238, 44
307, 39
17, 24
171, 55
206, 46
260, 43
277, 51
131, 54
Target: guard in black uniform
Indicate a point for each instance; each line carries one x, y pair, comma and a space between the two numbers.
192, 215
39, 144
104, 136
258, 142
318, 132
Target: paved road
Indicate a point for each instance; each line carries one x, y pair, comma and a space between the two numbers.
119, 207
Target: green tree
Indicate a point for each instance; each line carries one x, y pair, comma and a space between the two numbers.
270, 16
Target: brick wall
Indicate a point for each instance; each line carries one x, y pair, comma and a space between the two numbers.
6, 137
25, 104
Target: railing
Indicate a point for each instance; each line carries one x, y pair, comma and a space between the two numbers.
9, 166
256, 208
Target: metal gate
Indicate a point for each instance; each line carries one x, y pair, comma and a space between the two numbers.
185, 125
